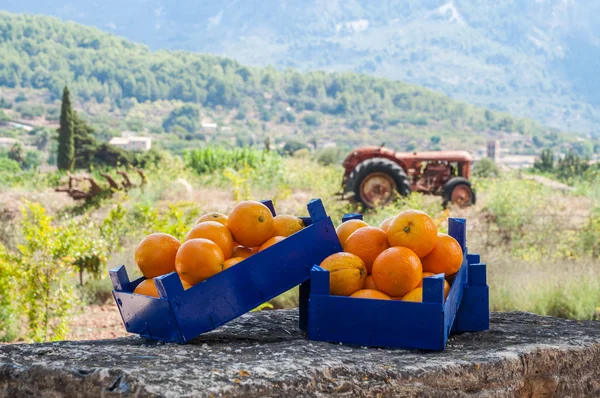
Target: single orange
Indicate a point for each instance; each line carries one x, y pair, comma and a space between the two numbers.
414, 230
243, 252
345, 229
446, 256
446, 284
147, 288
216, 232
250, 223
155, 255
198, 259
397, 271
386, 223
214, 216
370, 283
270, 242
415, 295
367, 243
347, 273
286, 225
371, 294
185, 285
232, 261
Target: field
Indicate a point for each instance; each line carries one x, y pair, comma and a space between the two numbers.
540, 243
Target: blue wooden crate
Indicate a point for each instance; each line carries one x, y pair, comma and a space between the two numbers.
180, 315
398, 324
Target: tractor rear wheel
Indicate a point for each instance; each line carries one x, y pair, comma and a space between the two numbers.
459, 192
376, 181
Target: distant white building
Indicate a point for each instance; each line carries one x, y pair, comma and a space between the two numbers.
209, 127
132, 143
6, 142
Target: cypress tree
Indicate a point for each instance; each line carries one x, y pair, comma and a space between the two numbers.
66, 145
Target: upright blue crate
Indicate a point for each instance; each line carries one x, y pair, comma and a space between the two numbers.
180, 315
399, 324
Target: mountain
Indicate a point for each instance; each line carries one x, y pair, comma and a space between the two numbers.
534, 58
115, 80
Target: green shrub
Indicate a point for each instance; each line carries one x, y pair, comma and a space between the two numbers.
8, 165
208, 160
329, 156
485, 168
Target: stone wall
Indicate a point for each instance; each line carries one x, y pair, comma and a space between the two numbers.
265, 355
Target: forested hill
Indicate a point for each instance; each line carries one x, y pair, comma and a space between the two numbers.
537, 59
43, 52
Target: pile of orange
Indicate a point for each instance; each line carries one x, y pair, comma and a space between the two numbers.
215, 243
389, 262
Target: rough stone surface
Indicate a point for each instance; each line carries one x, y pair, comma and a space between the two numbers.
265, 355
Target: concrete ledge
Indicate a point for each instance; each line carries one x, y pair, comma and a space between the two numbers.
265, 355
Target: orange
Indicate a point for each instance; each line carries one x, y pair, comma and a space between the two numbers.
250, 223
446, 256
345, 229
155, 255
370, 283
415, 295
270, 242
214, 216
414, 230
347, 273
367, 243
147, 288
285, 225
198, 259
243, 252
397, 271
386, 223
216, 232
446, 284
232, 261
371, 294
185, 285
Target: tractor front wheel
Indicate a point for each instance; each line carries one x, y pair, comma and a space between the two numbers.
376, 181
459, 192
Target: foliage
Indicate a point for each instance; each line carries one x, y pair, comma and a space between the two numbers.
571, 166
186, 116
30, 111
292, 146
46, 294
485, 168
121, 74
5, 104
66, 149
9, 166
208, 160
545, 162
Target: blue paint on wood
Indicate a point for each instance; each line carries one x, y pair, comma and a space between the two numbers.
352, 216
399, 324
180, 315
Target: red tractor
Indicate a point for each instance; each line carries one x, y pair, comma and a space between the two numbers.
375, 174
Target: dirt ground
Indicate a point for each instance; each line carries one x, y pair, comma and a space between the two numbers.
97, 322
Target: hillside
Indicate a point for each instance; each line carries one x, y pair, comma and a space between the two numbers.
536, 59
120, 84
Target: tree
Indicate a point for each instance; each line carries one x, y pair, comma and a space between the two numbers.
16, 153
435, 139
485, 168
545, 163
66, 144
186, 116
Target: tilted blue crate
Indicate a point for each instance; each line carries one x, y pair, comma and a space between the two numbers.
399, 324
180, 315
